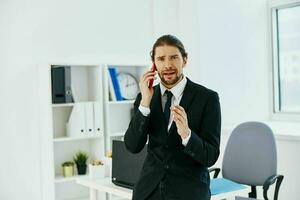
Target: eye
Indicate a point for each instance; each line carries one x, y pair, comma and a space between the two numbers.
160, 58
174, 57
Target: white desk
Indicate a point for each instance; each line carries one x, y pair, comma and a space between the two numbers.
105, 185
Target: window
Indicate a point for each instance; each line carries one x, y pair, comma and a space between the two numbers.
286, 58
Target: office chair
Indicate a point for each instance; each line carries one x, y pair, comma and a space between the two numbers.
250, 158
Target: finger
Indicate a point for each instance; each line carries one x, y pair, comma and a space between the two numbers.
179, 108
179, 124
178, 111
147, 76
148, 79
178, 118
149, 73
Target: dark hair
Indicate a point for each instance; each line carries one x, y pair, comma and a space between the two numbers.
170, 40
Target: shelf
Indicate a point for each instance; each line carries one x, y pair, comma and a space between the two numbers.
62, 179
121, 102
80, 198
117, 134
56, 105
113, 197
66, 139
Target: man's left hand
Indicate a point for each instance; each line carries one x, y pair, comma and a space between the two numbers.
180, 118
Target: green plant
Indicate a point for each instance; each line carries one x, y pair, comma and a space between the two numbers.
80, 158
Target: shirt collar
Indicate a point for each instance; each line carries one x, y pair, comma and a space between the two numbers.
177, 90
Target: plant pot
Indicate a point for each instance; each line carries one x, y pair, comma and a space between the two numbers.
81, 169
68, 169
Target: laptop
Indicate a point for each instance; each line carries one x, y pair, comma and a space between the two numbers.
126, 166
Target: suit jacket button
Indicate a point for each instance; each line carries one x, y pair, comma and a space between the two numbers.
166, 166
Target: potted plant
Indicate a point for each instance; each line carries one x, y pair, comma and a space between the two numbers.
80, 159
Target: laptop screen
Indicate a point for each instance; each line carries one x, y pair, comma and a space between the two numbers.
126, 166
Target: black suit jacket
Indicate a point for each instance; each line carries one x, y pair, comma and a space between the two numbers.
183, 167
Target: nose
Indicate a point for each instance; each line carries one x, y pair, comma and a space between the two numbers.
167, 64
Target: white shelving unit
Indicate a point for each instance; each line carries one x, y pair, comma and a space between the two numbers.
117, 114
90, 84
86, 82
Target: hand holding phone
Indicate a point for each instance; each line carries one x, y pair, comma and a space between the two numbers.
146, 86
153, 69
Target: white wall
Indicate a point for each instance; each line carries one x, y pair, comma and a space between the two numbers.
36, 32
227, 43
232, 56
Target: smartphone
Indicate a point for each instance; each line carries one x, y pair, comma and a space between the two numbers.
153, 69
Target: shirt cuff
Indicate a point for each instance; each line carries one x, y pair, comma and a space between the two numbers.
144, 110
186, 140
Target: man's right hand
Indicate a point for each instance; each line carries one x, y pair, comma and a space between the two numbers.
147, 93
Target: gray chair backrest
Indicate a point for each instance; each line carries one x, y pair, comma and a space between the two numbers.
250, 156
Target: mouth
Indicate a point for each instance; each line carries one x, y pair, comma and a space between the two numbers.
169, 73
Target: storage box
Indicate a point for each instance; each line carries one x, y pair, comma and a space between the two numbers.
96, 171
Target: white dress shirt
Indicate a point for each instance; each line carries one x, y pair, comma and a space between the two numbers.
177, 92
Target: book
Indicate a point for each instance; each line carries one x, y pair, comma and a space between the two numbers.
115, 82
112, 94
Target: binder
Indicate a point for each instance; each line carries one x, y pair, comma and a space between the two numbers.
115, 82
76, 124
61, 84
89, 117
97, 117
85, 120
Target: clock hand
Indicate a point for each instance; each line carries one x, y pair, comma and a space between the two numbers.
130, 84
126, 82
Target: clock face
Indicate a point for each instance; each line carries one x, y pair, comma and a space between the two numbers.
128, 85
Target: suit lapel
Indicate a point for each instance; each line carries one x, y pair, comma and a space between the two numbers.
186, 100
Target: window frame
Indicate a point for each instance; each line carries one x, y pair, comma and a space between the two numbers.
275, 113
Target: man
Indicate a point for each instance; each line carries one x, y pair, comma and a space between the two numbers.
182, 121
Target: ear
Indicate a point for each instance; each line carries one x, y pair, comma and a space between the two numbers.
184, 61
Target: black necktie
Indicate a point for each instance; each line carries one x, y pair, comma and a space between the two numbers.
168, 105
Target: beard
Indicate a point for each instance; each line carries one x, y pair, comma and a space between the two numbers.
170, 77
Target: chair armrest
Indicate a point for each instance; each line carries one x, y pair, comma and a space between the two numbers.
271, 180
216, 170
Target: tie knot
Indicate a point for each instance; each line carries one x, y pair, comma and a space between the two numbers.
169, 94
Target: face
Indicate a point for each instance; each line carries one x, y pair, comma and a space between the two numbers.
169, 63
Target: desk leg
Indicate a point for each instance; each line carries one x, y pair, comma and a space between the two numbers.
93, 194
